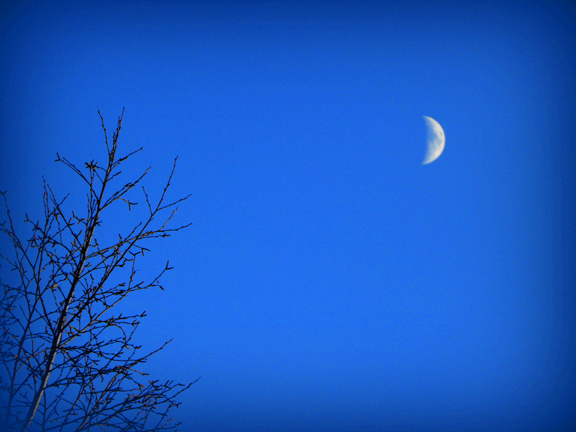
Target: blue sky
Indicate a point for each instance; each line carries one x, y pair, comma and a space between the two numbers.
329, 282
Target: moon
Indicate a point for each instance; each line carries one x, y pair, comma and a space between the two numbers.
435, 141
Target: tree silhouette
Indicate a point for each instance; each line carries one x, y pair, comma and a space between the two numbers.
67, 354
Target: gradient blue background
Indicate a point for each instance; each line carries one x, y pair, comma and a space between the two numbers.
329, 281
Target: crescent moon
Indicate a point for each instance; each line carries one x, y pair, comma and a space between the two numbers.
435, 142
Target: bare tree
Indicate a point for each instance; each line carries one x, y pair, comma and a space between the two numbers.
68, 356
